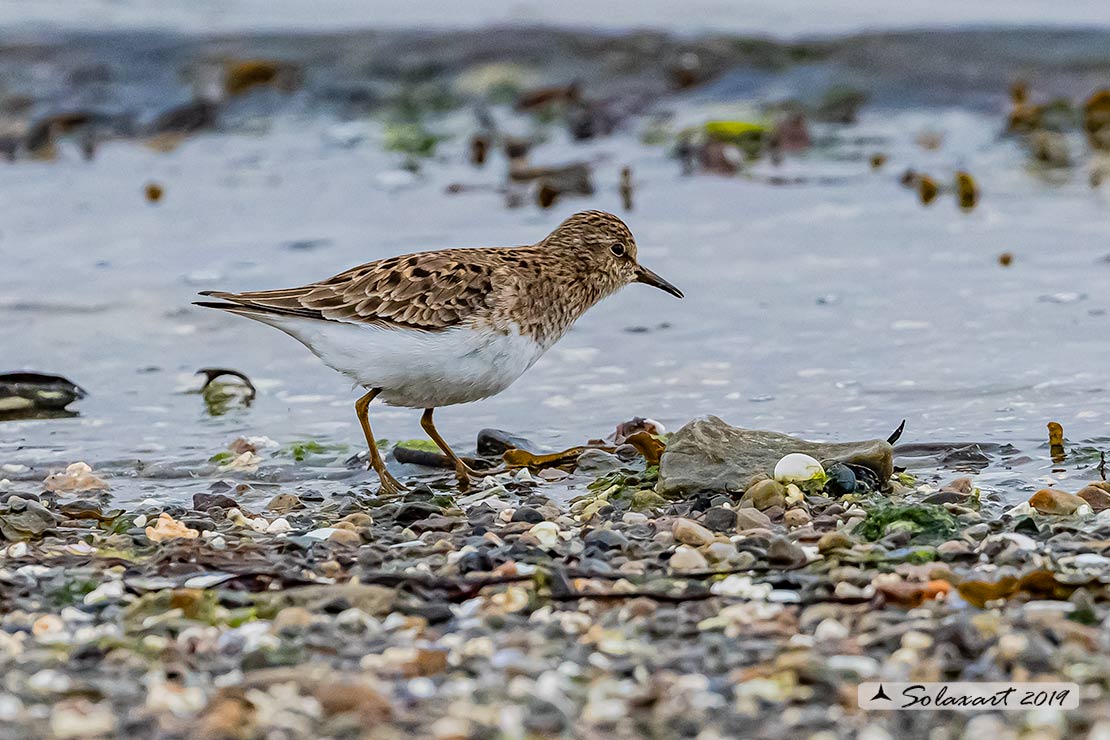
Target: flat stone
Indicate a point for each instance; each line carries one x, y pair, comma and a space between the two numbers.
721, 551
282, 503
784, 552
1097, 497
690, 532
345, 537
945, 496
377, 601
207, 501
720, 519
598, 462
749, 518
954, 548
527, 514
709, 454
1051, 501
834, 541
687, 558
796, 518
764, 495
608, 539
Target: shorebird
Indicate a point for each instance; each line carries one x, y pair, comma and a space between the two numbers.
450, 326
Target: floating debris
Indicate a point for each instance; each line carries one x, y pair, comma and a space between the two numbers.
479, 148
30, 395
411, 139
245, 75
789, 135
188, 118
930, 140
219, 397
967, 191
626, 188
153, 192
1096, 120
747, 136
555, 96
1056, 441
927, 189
840, 105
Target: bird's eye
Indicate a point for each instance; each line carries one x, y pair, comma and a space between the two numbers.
617, 250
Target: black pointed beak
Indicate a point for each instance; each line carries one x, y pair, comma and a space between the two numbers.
647, 277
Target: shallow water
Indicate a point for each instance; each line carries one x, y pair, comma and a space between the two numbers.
831, 308
772, 17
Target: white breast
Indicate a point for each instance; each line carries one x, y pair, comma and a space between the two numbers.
414, 368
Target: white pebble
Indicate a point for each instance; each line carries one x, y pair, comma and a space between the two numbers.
546, 532
798, 468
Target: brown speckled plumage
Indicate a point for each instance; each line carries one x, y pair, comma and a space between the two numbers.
541, 288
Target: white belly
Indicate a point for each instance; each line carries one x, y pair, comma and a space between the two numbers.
413, 368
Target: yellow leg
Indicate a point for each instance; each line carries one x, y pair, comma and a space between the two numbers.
389, 484
463, 471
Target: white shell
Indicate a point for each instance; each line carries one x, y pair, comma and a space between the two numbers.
546, 532
798, 468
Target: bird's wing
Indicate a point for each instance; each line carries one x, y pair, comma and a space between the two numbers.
427, 291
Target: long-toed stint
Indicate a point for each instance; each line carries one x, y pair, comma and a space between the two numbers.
450, 326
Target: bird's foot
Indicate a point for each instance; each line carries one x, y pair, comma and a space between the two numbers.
387, 484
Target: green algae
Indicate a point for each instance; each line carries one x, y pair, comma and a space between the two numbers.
925, 522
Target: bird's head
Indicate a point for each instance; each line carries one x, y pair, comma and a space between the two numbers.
608, 247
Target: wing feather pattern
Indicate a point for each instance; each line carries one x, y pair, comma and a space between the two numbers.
429, 291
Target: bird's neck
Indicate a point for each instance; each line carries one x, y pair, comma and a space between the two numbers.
550, 305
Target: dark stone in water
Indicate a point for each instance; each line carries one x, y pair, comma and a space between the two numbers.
207, 501
495, 442
945, 497
28, 394
842, 480
4, 497
867, 481
186, 118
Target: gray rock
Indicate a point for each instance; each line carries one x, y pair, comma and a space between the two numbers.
607, 539
747, 518
708, 454
598, 462
720, 519
764, 495
690, 532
